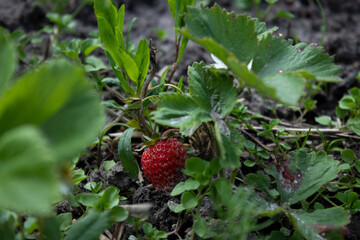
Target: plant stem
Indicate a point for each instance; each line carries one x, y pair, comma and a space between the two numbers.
141, 116
328, 200
323, 26
174, 65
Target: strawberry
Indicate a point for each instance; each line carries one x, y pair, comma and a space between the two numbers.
162, 163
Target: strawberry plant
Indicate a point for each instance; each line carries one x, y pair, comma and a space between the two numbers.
224, 172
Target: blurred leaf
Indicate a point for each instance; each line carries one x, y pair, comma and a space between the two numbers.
109, 198
88, 199
125, 153
324, 120
191, 184
60, 101
259, 181
312, 170
178, 189
202, 229
109, 165
237, 40
114, 81
313, 225
7, 59
28, 178
283, 14
64, 220
89, 227
49, 228
78, 176
243, 4
189, 200
93, 186
118, 214
93, 64
89, 45
348, 156
8, 221
224, 191
178, 8
228, 155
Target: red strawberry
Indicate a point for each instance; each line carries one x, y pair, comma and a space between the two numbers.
162, 163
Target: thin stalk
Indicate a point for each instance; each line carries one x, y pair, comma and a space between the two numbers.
145, 86
314, 199
78, 9
323, 26
328, 200
174, 65
267, 11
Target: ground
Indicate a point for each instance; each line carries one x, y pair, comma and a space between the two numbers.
341, 41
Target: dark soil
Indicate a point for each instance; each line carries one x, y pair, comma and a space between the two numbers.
341, 41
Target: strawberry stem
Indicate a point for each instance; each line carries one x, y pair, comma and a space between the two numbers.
170, 130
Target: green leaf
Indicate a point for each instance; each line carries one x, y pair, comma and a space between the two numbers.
93, 186
180, 111
177, 8
49, 228
64, 220
28, 179
88, 199
259, 181
212, 90
110, 27
212, 97
195, 165
7, 59
348, 156
202, 229
228, 147
109, 165
324, 120
283, 14
125, 153
119, 27
118, 214
191, 184
237, 39
312, 225
78, 176
178, 189
93, 64
129, 64
60, 101
224, 190
189, 200
109, 198
8, 222
142, 59
124, 86
114, 81
312, 170
249, 163
89, 227
89, 45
